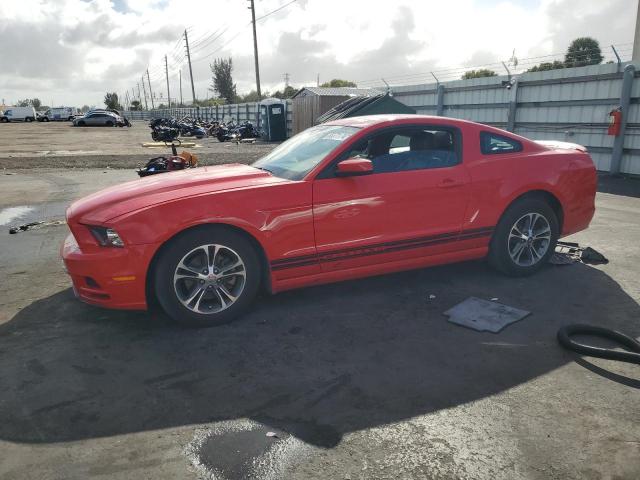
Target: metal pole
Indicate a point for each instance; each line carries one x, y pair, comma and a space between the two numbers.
615, 52
150, 91
440, 99
636, 39
255, 49
181, 103
625, 100
513, 106
166, 71
146, 105
193, 90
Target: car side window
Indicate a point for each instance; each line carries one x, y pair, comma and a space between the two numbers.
412, 149
492, 143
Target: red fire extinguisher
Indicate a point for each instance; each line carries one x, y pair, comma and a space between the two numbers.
615, 119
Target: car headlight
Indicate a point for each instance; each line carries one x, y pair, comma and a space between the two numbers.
107, 237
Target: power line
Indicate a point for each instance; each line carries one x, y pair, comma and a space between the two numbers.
242, 30
276, 10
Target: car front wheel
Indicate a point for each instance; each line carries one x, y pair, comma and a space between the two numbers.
207, 277
524, 238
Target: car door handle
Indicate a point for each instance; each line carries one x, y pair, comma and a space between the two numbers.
449, 183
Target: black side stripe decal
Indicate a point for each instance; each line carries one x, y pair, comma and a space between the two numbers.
379, 248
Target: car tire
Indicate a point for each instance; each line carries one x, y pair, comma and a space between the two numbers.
81, 123
206, 300
45, 119
28, 119
518, 248
4, 120
109, 124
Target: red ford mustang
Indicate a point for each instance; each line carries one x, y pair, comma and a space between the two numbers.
347, 199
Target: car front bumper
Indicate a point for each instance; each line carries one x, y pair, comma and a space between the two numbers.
108, 277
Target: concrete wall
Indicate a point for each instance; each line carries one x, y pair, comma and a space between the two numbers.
568, 104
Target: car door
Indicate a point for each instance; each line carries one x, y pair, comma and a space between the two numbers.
412, 205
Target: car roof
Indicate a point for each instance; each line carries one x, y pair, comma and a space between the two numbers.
370, 120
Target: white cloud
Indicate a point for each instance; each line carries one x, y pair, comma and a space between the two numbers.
74, 51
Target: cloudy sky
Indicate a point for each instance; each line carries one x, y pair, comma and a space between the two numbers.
70, 52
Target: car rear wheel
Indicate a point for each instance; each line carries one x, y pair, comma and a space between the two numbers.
109, 124
207, 277
524, 238
81, 123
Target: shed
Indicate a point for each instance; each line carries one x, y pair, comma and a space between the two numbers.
360, 106
310, 102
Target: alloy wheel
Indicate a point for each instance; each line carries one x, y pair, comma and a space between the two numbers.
529, 239
209, 279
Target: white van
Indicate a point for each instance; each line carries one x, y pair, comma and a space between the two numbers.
19, 114
59, 113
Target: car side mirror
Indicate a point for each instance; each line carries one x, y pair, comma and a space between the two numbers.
353, 167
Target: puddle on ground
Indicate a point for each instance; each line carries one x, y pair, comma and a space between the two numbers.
247, 450
11, 214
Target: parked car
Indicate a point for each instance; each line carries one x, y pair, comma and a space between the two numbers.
19, 114
99, 118
347, 199
58, 114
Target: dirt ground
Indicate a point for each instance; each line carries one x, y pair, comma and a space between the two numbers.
60, 145
357, 380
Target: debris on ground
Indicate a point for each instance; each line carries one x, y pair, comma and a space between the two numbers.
483, 315
568, 253
432, 296
34, 225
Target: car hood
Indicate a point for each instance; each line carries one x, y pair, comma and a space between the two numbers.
105, 205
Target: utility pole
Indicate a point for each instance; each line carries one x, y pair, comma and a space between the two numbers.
146, 105
166, 71
153, 107
286, 80
635, 57
318, 81
193, 90
181, 104
255, 49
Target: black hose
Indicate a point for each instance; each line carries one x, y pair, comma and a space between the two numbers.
565, 333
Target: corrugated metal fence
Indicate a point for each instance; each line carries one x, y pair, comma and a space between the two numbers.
568, 104
238, 112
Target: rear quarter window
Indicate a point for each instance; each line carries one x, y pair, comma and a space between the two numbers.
493, 143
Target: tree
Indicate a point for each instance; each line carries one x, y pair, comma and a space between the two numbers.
23, 103
222, 81
86, 108
288, 92
35, 103
483, 72
583, 51
555, 65
111, 101
336, 83
209, 102
135, 105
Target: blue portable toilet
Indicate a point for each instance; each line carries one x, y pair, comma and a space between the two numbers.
273, 119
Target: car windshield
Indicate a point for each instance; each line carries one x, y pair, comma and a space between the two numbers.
297, 156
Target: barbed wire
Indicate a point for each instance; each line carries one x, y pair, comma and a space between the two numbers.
443, 74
